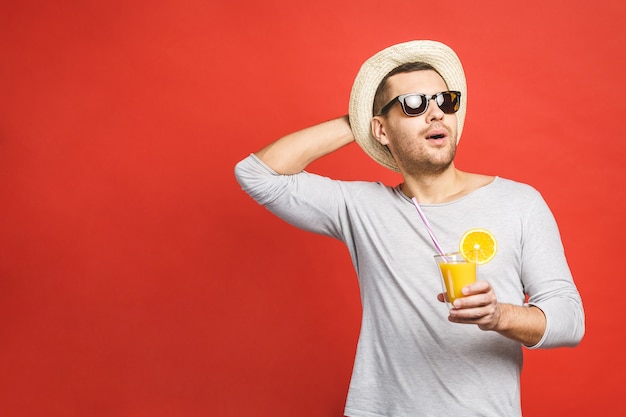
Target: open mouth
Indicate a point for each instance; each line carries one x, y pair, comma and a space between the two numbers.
436, 136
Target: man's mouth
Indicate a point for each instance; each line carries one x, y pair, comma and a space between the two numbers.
436, 136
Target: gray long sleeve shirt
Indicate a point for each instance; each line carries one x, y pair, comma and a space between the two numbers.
410, 360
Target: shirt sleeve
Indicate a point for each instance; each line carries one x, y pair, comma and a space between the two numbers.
310, 202
548, 280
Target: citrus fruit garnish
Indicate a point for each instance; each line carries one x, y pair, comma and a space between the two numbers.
478, 245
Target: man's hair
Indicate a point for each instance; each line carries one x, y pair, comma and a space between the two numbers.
380, 98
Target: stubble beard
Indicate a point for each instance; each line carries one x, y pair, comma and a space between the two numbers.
419, 162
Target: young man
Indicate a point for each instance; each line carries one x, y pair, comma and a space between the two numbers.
415, 358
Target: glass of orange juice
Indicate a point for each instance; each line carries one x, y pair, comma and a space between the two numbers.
456, 272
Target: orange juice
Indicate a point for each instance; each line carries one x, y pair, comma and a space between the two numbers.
456, 276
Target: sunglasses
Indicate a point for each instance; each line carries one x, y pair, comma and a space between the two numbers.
414, 104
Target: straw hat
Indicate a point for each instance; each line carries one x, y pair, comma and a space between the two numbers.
440, 56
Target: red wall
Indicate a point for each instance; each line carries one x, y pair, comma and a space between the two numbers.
137, 279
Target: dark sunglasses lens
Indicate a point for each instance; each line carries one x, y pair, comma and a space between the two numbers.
414, 104
448, 102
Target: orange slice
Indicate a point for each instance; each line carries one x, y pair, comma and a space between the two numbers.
478, 245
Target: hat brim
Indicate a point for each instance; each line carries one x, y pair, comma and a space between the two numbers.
372, 72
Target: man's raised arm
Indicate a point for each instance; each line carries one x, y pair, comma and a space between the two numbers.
292, 153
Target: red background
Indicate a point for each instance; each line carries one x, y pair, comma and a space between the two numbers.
137, 279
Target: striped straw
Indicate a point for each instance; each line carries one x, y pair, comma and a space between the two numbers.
430, 230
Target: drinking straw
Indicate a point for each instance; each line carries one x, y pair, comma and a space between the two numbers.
430, 230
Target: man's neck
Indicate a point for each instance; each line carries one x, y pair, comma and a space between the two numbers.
448, 186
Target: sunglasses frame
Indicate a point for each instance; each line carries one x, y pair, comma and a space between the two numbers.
401, 98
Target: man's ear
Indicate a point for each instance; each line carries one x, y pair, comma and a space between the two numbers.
378, 130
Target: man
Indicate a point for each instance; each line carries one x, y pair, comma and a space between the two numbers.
415, 358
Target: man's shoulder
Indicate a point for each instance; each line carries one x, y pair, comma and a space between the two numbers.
509, 184
512, 191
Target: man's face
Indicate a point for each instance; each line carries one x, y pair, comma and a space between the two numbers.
424, 144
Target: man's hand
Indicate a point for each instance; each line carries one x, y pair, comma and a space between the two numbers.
479, 306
